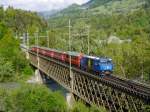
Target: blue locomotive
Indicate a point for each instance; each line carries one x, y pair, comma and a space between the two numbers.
100, 65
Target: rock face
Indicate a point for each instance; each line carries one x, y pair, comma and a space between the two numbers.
114, 39
9, 85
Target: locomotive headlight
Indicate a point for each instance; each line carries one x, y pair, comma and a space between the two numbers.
110, 59
107, 67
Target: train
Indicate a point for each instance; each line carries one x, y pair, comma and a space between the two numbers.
100, 66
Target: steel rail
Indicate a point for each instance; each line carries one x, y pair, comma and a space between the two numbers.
131, 84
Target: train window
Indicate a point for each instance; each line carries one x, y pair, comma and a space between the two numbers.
73, 57
67, 56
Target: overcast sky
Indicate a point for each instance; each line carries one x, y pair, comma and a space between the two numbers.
40, 5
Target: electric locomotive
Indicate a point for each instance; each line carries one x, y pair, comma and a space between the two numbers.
100, 65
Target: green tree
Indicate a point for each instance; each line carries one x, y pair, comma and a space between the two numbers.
80, 107
9, 49
32, 98
3, 29
7, 72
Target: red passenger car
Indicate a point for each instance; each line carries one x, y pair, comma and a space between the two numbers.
50, 53
75, 58
58, 55
33, 49
62, 56
38, 50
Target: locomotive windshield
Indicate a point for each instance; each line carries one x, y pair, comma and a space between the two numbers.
105, 60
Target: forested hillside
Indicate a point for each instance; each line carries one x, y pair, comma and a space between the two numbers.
20, 21
14, 22
124, 19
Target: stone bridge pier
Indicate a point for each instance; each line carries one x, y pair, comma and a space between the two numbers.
27, 55
70, 99
38, 77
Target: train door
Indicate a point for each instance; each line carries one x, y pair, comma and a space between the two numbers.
90, 64
84, 63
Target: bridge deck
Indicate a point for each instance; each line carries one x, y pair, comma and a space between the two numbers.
121, 84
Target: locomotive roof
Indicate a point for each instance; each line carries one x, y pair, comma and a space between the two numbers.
98, 58
91, 57
73, 53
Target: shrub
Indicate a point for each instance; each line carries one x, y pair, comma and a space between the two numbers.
6, 70
34, 98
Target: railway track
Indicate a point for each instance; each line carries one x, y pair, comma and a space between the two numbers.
134, 85
131, 87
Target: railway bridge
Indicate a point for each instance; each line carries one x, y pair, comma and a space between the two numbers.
116, 94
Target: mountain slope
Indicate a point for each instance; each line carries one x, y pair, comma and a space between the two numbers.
96, 7
119, 6
47, 14
69, 10
95, 3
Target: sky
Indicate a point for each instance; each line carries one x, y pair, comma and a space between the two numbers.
40, 5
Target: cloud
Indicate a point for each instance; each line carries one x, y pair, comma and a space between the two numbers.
40, 5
